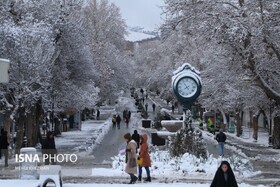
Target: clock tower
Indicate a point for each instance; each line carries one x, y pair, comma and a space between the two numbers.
186, 84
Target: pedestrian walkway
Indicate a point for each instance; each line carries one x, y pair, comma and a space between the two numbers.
113, 141
263, 158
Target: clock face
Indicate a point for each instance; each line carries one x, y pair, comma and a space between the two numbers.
186, 87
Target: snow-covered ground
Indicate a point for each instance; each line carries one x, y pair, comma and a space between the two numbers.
32, 183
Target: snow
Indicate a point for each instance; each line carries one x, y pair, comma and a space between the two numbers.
34, 183
28, 150
188, 166
94, 129
165, 133
105, 172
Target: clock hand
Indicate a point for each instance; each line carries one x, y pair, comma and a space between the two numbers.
186, 86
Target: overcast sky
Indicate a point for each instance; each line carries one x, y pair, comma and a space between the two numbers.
144, 13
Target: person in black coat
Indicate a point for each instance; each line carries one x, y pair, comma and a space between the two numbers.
49, 149
125, 113
154, 107
97, 114
4, 144
136, 137
129, 114
224, 176
221, 138
119, 119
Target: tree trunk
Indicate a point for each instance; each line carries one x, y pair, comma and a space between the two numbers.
36, 131
276, 133
224, 119
20, 128
251, 119
238, 124
7, 122
33, 125
255, 127
29, 129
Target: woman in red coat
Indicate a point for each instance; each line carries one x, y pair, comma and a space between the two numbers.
144, 154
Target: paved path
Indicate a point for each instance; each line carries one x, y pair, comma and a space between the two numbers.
113, 142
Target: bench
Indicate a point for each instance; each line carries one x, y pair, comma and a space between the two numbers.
50, 174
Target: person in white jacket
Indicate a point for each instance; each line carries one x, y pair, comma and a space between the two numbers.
130, 158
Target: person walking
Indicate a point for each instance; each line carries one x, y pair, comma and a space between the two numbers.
146, 106
210, 126
125, 113
154, 107
136, 137
126, 120
49, 149
173, 108
119, 119
221, 138
142, 91
114, 121
224, 176
97, 114
4, 145
129, 115
144, 154
130, 158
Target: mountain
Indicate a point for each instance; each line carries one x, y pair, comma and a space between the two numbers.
139, 33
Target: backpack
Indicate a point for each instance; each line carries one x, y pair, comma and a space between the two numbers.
114, 120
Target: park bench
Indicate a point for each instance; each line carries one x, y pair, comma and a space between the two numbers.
50, 174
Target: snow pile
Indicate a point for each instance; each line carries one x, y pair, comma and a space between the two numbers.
164, 165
